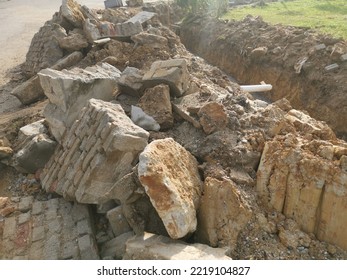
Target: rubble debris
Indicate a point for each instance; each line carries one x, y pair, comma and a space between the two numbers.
117, 221
258, 53
115, 248
295, 179
113, 3
222, 214
172, 72
142, 17
156, 103
140, 118
344, 57
320, 47
134, 3
331, 67
97, 151
69, 91
51, 230
29, 91
71, 11
212, 117
91, 30
5, 152
155, 247
170, 176
130, 81
44, 50
185, 115
150, 40
34, 154
74, 41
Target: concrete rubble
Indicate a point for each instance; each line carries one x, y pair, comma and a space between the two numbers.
145, 151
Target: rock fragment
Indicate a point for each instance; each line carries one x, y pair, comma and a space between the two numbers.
171, 179
156, 247
172, 72
97, 151
213, 117
223, 213
69, 91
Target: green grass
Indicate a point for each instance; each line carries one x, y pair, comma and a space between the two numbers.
326, 16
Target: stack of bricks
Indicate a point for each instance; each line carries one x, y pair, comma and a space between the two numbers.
95, 153
52, 230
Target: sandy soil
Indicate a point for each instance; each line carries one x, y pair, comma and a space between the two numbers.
19, 21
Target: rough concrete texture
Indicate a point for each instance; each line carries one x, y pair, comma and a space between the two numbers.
69, 91
130, 81
44, 50
50, 230
97, 151
213, 117
172, 72
29, 92
115, 248
222, 214
74, 41
156, 247
150, 40
34, 154
171, 179
71, 11
156, 103
303, 179
117, 221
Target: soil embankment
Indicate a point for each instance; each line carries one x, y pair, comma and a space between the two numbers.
297, 62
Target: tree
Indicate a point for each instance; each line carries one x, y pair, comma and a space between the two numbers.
214, 7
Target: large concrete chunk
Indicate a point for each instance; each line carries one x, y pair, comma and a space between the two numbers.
172, 72
75, 41
223, 213
96, 152
170, 176
29, 91
303, 179
35, 154
69, 91
71, 11
155, 247
44, 50
156, 103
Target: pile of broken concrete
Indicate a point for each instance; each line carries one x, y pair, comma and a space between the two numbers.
148, 152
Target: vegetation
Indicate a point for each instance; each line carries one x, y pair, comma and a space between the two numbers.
326, 16
214, 7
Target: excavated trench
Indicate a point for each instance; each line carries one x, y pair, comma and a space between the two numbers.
295, 61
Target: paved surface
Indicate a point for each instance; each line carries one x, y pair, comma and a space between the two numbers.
51, 230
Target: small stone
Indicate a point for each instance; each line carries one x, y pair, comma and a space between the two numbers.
344, 57
213, 117
319, 47
143, 120
331, 67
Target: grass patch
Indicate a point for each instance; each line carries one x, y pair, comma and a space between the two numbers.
325, 16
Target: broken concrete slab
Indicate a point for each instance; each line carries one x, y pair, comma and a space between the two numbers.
34, 154
69, 91
46, 230
130, 81
119, 30
155, 247
97, 151
115, 248
142, 17
156, 103
71, 11
150, 40
91, 30
140, 118
134, 3
169, 174
29, 92
117, 221
31, 130
44, 50
172, 72
74, 41
213, 117
113, 3
222, 214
